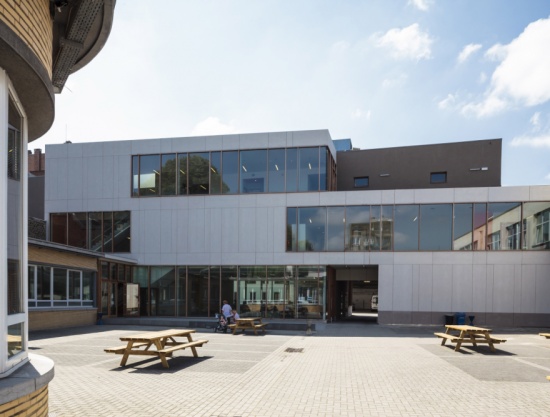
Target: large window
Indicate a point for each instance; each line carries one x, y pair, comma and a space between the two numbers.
60, 287
423, 227
232, 172
98, 231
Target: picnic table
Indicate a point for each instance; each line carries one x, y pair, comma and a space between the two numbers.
14, 344
464, 334
159, 343
547, 335
253, 323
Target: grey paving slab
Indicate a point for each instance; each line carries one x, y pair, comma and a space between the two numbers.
349, 369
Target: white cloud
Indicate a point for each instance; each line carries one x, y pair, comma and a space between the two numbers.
535, 121
395, 81
467, 51
360, 114
447, 101
406, 43
423, 5
541, 141
212, 126
482, 78
547, 177
521, 78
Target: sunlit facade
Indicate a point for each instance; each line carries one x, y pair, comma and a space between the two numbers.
265, 221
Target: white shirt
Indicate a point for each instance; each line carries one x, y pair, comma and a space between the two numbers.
226, 310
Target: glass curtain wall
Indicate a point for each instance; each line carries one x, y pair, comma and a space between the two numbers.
230, 172
197, 288
215, 291
436, 226
163, 291
276, 170
336, 227
228, 285
253, 171
357, 228
252, 292
168, 174
503, 226
308, 174
199, 173
311, 292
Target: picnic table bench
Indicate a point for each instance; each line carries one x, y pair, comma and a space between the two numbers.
254, 324
160, 343
461, 334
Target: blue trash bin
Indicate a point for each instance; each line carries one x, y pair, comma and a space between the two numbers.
460, 318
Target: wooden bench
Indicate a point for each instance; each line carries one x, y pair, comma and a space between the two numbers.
444, 336
547, 335
169, 350
120, 349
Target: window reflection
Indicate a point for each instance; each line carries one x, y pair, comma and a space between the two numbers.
199, 168
252, 291
336, 223
503, 226
182, 173
276, 170
197, 287
253, 171
357, 228
405, 235
230, 169
310, 294
15, 339
308, 175
311, 229
149, 175
436, 223
215, 172
163, 291
536, 223
168, 174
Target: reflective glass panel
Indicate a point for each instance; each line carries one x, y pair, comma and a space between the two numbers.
323, 177
276, 290
199, 169
503, 226
182, 173
215, 172
276, 170
229, 286
105, 298
215, 301
149, 175
43, 280
95, 236
536, 224
406, 227
74, 285
59, 284
163, 291
252, 291
181, 287
135, 175
357, 227
140, 276
311, 229
121, 232
15, 339
336, 224
77, 223
291, 229
291, 170
88, 288
253, 171
107, 231
230, 177
310, 294
462, 227
197, 287
480, 226
436, 223
168, 174
308, 176
387, 227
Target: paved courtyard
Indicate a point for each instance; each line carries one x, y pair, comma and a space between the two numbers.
349, 369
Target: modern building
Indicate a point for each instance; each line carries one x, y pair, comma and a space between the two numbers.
41, 43
285, 226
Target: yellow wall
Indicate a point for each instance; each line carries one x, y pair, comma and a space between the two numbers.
56, 319
30, 20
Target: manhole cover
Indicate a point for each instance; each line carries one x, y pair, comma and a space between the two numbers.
294, 350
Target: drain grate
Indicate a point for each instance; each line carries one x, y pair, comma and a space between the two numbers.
294, 350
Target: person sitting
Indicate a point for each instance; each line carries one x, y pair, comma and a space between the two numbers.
226, 310
235, 316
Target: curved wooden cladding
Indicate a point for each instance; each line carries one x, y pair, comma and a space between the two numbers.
62, 259
30, 20
33, 404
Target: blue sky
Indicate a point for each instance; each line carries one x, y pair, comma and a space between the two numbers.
384, 73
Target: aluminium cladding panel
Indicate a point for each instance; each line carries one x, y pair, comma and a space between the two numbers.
410, 166
506, 283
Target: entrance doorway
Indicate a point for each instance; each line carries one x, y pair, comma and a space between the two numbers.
357, 293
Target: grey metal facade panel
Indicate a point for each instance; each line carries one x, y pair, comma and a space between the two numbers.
410, 166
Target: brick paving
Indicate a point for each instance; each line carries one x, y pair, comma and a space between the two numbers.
347, 369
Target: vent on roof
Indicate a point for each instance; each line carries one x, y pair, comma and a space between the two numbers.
294, 350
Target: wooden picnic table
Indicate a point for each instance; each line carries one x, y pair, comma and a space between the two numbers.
252, 323
14, 344
159, 343
547, 335
461, 334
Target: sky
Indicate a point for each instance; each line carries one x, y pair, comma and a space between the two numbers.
383, 73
